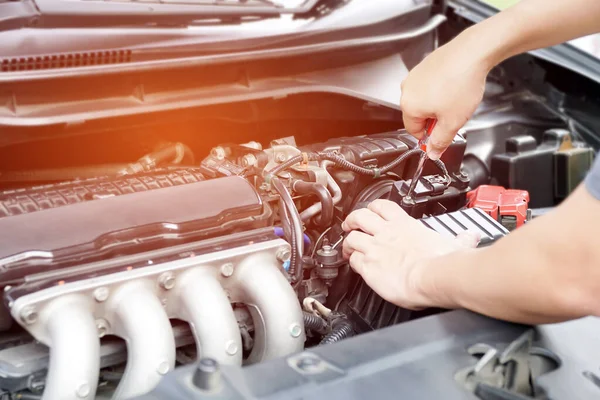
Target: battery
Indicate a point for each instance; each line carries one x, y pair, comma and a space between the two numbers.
507, 206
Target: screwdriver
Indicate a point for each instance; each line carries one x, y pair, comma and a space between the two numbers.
429, 125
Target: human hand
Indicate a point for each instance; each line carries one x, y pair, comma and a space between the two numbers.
389, 249
446, 86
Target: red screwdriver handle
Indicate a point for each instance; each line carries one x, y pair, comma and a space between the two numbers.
429, 125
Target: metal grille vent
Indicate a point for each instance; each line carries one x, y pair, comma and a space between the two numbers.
64, 60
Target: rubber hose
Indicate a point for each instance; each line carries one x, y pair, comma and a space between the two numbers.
294, 160
171, 153
341, 331
314, 322
177, 153
326, 218
296, 231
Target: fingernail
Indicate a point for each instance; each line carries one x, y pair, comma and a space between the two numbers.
344, 225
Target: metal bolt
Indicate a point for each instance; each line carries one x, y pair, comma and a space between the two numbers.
29, 315
227, 270
310, 364
326, 249
295, 330
102, 326
207, 375
218, 153
280, 157
83, 390
231, 348
101, 294
248, 160
166, 280
283, 254
163, 368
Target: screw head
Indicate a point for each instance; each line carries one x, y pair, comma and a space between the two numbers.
166, 280
295, 330
29, 315
227, 270
310, 364
101, 294
102, 326
163, 368
248, 160
218, 152
231, 348
283, 254
280, 157
83, 390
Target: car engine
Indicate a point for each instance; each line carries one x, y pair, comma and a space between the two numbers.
113, 275
132, 244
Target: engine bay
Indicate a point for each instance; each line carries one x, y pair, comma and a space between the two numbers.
114, 274
135, 245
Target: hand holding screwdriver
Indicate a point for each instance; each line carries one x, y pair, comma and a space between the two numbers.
423, 145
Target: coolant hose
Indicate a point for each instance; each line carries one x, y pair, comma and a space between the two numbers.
297, 243
174, 153
325, 219
314, 322
340, 331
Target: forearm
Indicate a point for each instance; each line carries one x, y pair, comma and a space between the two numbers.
528, 25
546, 271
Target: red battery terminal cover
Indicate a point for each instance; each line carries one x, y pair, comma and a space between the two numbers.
507, 206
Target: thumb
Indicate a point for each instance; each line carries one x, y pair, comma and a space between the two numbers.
441, 137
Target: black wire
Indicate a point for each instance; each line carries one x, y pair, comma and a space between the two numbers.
375, 172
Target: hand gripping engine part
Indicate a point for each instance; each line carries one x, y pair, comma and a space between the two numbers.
138, 308
368, 311
507, 206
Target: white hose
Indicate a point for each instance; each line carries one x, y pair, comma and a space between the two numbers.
334, 189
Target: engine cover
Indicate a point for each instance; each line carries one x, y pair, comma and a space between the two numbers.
40, 241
